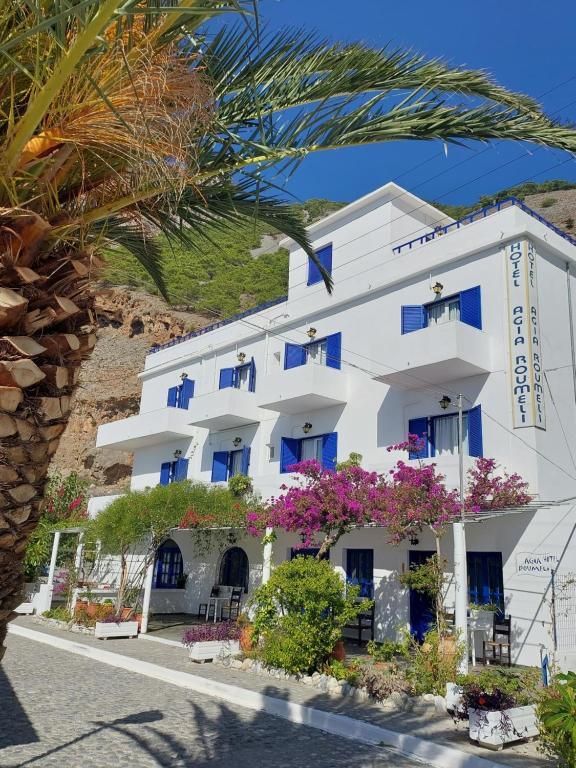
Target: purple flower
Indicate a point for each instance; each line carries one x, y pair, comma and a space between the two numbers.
201, 633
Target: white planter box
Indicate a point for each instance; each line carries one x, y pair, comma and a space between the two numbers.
214, 649
494, 729
104, 630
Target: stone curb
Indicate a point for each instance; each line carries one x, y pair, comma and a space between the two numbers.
434, 754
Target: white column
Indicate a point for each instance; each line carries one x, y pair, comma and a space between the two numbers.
146, 599
460, 566
52, 569
77, 566
267, 556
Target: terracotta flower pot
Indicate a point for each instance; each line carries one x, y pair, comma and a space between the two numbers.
339, 651
247, 638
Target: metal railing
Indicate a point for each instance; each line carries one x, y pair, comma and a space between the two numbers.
479, 215
219, 324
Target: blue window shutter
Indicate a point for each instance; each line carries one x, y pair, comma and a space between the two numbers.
324, 256
289, 453
294, 355
180, 469
226, 377
419, 427
475, 447
413, 318
252, 376
334, 350
245, 460
186, 393
471, 307
220, 466
172, 397
165, 472
329, 450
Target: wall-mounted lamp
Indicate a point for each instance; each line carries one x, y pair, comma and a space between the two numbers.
445, 402
183, 376
414, 540
241, 356
311, 332
302, 537
307, 427
177, 453
236, 442
437, 288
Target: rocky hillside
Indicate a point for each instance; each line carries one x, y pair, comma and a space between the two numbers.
132, 321
109, 388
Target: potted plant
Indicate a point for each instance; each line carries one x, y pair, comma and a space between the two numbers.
500, 707
211, 641
114, 625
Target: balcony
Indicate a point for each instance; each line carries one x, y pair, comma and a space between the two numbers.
153, 428
305, 388
436, 355
224, 409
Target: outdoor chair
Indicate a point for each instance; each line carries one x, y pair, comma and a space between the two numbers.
500, 645
362, 623
233, 608
206, 609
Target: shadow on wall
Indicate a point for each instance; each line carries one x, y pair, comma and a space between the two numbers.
391, 613
15, 727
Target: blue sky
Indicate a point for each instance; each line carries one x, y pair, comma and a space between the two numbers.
527, 46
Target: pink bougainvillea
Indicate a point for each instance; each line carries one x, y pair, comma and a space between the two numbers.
323, 505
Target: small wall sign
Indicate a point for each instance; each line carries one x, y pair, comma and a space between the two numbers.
535, 563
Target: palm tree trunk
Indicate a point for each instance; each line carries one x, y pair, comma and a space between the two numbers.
46, 329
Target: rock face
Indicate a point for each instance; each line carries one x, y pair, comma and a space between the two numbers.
109, 388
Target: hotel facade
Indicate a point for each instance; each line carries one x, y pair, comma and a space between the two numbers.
422, 307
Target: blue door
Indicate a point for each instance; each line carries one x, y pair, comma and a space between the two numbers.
422, 613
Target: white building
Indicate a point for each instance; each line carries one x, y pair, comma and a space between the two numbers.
421, 307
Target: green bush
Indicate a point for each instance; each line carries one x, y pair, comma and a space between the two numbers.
342, 671
557, 715
386, 651
434, 663
548, 202
60, 613
522, 686
300, 613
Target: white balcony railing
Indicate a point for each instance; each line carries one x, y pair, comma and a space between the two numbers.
304, 388
153, 428
224, 409
436, 354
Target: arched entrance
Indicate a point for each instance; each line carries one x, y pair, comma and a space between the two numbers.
234, 568
169, 567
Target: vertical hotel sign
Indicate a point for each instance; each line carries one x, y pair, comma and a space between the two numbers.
527, 372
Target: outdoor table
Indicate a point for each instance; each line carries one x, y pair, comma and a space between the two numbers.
218, 601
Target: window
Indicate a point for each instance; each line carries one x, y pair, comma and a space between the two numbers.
235, 463
241, 377
226, 464
444, 431
173, 471
180, 396
485, 579
169, 568
311, 448
360, 570
465, 306
324, 256
443, 311
327, 351
234, 568
324, 448
439, 434
316, 352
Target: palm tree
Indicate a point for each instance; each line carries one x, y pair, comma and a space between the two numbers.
122, 117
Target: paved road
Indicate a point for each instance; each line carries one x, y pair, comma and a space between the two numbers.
59, 709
